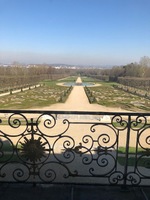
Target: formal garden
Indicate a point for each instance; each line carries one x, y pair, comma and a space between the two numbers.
49, 92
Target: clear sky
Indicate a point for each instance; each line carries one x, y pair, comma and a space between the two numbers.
90, 32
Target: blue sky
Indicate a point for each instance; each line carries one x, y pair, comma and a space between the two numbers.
86, 32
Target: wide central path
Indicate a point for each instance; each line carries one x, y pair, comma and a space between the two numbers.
77, 100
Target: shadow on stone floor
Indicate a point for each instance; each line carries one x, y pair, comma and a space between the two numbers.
68, 192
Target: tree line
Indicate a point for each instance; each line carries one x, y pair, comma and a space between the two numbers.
135, 75
20, 76
140, 70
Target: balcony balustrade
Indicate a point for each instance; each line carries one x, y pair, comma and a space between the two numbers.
74, 147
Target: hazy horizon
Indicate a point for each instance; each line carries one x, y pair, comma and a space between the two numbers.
75, 32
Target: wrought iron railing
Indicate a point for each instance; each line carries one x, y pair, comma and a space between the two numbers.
74, 147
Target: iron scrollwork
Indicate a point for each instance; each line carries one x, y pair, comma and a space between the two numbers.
46, 147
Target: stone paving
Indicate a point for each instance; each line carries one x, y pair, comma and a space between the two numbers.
70, 192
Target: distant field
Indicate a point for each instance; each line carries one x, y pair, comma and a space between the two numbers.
68, 79
74, 78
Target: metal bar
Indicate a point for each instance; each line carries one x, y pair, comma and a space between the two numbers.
127, 151
74, 112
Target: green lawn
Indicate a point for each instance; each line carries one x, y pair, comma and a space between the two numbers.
143, 162
69, 79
